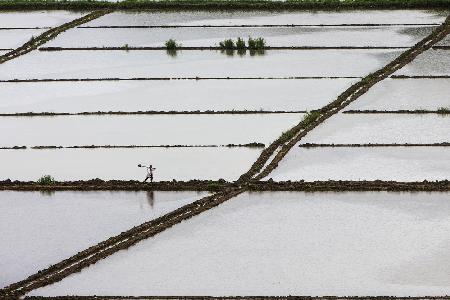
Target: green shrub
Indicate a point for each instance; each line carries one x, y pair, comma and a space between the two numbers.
240, 44
227, 44
172, 45
443, 110
46, 180
256, 44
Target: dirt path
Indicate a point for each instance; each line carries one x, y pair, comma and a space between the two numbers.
41, 39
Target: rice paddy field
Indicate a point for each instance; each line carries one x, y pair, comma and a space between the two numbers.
315, 164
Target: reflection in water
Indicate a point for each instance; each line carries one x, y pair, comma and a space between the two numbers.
172, 52
242, 52
46, 193
151, 198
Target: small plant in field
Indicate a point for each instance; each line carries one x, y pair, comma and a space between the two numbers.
172, 45
443, 110
240, 44
46, 180
227, 44
256, 44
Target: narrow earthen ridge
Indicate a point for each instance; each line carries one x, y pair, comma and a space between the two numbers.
265, 25
401, 111
220, 185
41, 39
174, 78
348, 186
124, 240
235, 298
181, 48
351, 94
151, 112
314, 145
116, 185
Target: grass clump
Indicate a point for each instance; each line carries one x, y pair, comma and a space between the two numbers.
46, 180
227, 44
171, 44
256, 44
240, 44
443, 110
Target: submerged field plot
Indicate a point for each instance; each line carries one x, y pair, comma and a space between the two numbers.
347, 104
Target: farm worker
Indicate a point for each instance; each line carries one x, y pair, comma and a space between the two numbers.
150, 170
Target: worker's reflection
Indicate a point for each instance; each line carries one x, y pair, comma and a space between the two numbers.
151, 198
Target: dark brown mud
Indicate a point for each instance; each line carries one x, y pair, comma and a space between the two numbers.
267, 25
174, 78
116, 185
236, 298
151, 112
248, 145
401, 111
41, 39
123, 48
348, 186
313, 145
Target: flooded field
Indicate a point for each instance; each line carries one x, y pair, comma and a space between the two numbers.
10, 39
430, 63
333, 244
131, 96
39, 229
108, 153
286, 36
381, 129
195, 63
196, 18
85, 164
372, 163
405, 94
35, 19
159, 129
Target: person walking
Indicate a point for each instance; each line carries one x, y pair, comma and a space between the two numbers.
150, 170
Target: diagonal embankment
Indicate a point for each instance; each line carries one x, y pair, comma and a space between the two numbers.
41, 39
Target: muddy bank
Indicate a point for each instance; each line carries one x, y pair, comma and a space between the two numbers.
175, 78
151, 112
41, 39
313, 145
346, 186
248, 145
116, 185
123, 48
177, 5
401, 111
236, 298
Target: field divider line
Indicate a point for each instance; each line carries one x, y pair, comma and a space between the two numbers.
441, 112
152, 112
376, 145
420, 76
41, 39
220, 185
49, 147
295, 134
174, 78
350, 185
117, 185
215, 48
262, 25
236, 298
